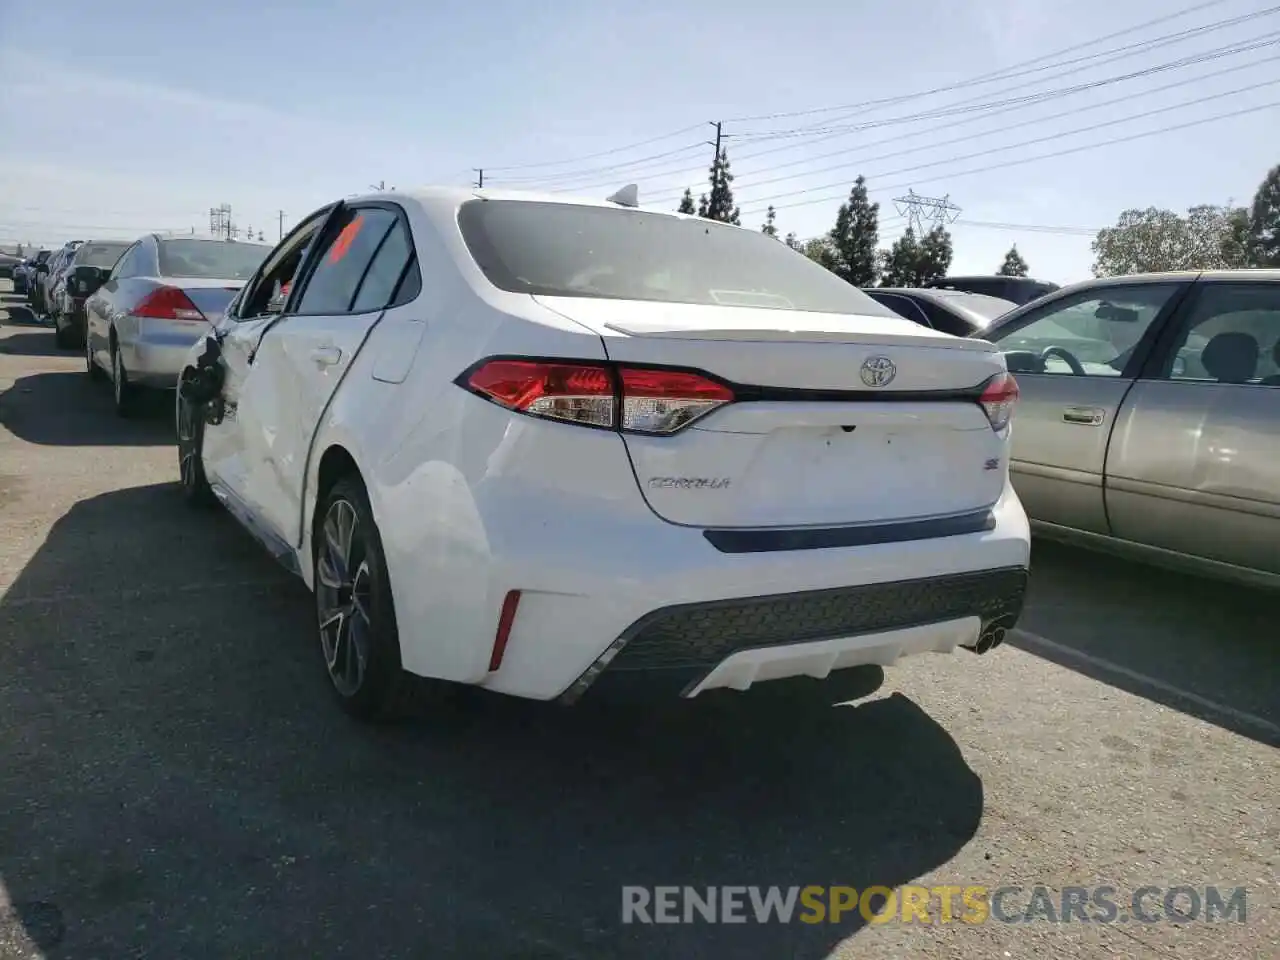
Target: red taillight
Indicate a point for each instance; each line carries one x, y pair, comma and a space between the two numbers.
576, 392
636, 399
663, 401
167, 303
999, 397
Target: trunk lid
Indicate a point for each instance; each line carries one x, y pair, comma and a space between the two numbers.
820, 439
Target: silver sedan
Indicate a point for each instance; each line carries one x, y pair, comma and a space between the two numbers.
1149, 422
160, 297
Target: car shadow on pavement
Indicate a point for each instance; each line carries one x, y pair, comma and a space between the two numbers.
176, 780
36, 341
1210, 649
68, 409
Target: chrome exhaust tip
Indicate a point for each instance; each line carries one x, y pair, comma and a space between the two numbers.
989, 639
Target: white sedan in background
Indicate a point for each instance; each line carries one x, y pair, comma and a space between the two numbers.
541, 445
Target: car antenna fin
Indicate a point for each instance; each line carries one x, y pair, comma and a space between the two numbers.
628, 196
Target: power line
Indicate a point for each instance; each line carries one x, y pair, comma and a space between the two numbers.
578, 174
1043, 139
602, 153
857, 158
989, 108
1002, 74
1005, 74
1045, 156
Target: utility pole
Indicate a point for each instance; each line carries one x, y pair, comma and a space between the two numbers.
479, 177
280, 224
715, 161
220, 221
919, 210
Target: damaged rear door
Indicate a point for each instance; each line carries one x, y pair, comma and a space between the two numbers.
301, 359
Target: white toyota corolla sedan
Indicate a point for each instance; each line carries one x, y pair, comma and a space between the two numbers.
543, 445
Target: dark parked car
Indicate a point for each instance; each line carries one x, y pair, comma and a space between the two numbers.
88, 269
1019, 290
951, 311
24, 276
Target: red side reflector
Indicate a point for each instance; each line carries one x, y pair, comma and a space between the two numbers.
505, 619
167, 303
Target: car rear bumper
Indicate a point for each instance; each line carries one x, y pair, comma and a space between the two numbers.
732, 644
155, 351
613, 594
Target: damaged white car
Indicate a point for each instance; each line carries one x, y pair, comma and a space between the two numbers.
544, 445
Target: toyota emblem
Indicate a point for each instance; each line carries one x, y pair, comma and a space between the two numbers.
878, 371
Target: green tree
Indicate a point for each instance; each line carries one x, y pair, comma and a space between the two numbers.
898, 263
1014, 265
912, 262
1264, 222
936, 253
1154, 240
770, 227
821, 251
855, 236
718, 204
686, 202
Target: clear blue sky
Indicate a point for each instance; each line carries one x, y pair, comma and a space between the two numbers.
121, 117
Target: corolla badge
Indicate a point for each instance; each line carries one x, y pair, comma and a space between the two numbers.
878, 371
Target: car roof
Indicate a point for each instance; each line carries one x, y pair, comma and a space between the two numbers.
438, 196
1172, 275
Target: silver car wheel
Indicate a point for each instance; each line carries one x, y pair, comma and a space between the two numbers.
343, 598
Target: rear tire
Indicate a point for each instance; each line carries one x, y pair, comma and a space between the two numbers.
95, 372
124, 393
355, 613
190, 425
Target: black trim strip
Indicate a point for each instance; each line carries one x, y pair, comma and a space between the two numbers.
821, 538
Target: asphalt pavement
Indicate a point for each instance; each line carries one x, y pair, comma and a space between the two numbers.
176, 782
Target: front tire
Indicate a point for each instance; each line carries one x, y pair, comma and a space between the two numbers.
355, 612
195, 485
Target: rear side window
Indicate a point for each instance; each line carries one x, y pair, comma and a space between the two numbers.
100, 254
341, 265
378, 288
211, 259
902, 306
942, 319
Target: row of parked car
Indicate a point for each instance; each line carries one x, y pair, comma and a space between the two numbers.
135, 307
547, 445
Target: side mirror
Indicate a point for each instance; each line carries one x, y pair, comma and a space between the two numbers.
84, 280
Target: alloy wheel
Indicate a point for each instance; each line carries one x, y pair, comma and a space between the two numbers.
343, 597
187, 442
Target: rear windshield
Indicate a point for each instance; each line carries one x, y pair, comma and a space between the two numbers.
99, 254
979, 303
568, 250
211, 259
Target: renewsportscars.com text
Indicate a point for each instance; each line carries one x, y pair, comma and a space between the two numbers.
971, 904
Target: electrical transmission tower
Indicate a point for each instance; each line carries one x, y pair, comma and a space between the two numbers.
935, 211
220, 224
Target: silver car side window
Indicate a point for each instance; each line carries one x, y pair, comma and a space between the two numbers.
1091, 333
1231, 335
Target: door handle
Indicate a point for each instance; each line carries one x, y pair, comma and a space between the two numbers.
1087, 416
326, 356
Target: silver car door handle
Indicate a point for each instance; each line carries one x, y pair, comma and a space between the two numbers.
1088, 416
326, 356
